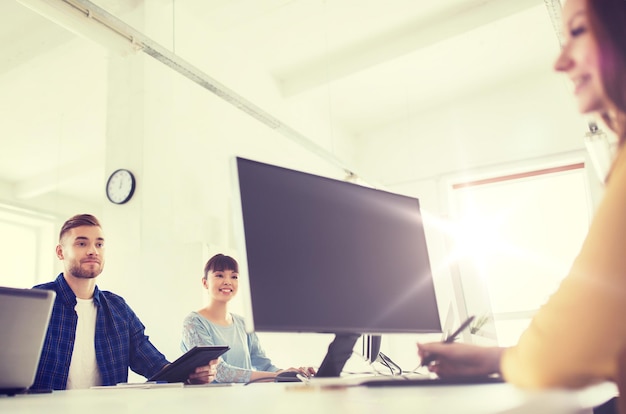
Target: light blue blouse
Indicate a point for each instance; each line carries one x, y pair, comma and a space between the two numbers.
245, 353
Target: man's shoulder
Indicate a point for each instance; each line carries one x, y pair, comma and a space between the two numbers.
51, 285
46, 286
108, 295
113, 299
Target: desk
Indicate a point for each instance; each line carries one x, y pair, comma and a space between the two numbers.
305, 399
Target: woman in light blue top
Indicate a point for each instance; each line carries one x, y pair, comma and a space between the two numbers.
214, 325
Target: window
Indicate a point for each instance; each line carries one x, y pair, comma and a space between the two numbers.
515, 238
27, 247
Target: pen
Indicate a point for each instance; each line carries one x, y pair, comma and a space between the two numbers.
451, 338
456, 333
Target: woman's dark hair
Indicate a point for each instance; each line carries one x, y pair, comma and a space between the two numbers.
220, 262
607, 19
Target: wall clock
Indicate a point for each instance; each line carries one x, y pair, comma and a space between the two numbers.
120, 186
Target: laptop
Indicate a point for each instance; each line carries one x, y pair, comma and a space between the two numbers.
24, 317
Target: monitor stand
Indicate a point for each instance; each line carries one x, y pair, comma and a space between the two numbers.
339, 351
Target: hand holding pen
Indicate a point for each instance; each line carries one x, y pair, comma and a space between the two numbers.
460, 360
426, 360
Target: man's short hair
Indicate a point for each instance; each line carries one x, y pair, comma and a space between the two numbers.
78, 221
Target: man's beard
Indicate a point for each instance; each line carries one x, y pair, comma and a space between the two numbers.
79, 273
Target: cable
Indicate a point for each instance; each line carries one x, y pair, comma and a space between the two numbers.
388, 362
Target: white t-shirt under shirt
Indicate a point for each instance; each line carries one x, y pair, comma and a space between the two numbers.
84, 371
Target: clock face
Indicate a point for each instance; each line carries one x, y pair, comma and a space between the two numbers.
120, 186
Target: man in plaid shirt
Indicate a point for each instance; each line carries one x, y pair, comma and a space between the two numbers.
94, 336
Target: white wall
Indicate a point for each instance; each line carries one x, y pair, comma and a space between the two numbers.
179, 139
532, 117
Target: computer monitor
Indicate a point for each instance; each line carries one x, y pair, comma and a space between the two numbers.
329, 256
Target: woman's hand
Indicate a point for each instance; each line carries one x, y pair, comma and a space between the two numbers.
304, 371
460, 360
204, 374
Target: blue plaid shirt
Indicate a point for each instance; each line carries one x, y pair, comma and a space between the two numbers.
120, 340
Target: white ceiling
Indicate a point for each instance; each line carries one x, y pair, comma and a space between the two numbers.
373, 58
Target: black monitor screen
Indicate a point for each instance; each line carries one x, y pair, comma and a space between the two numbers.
329, 256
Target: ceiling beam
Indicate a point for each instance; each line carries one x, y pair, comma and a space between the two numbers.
91, 21
51, 180
41, 36
401, 41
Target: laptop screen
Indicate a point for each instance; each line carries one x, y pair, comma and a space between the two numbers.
24, 317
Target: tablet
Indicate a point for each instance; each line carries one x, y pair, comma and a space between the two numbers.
179, 370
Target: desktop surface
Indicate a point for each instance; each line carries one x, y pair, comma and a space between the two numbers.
287, 397
429, 382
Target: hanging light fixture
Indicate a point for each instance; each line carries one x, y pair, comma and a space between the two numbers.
601, 150
90, 21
